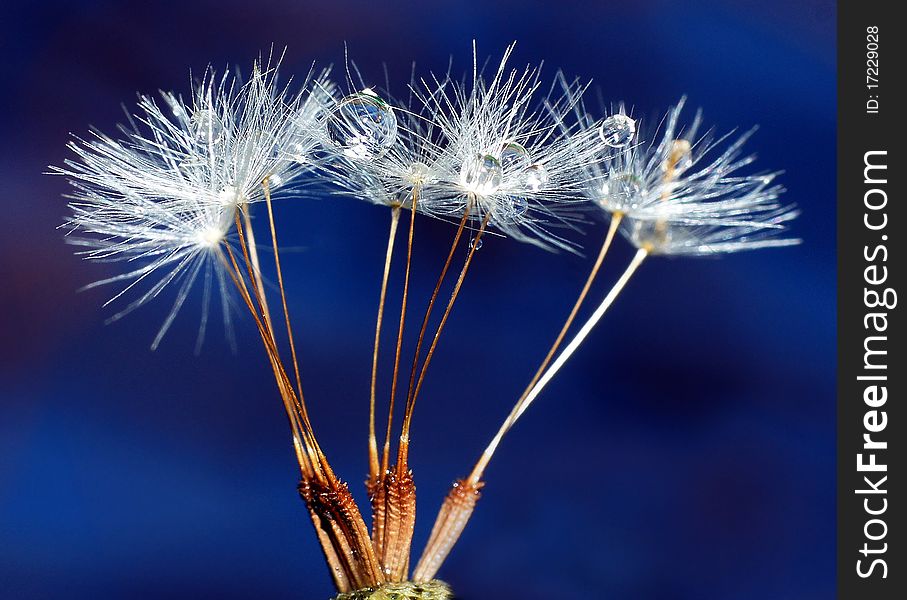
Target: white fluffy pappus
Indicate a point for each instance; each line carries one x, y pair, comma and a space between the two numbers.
678, 187
381, 151
506, 156
163, 197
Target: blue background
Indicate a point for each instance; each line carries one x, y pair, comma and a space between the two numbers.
687, 452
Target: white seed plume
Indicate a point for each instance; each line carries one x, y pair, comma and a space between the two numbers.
385, 174
679, 178
506, 157
164, 195
683, 202
677, 239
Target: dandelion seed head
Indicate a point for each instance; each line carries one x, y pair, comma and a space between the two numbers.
681, 177
419, 174
384, 157
210, 237
163, 196
506, 158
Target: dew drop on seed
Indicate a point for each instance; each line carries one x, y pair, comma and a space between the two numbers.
418, 173
482, 174
206, 126
275, 181
621, 191
514, 157
519, 206
535, 176
617, 130
656, 235
363, 125
475, 244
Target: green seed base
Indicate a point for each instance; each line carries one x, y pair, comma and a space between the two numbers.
433, 590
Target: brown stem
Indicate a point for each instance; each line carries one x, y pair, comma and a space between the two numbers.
482, 463
305, 454
403, 450
372, 440
431, 304
286, 312
339, 525
409, 258
271, 345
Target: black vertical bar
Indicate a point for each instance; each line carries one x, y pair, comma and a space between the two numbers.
872, 560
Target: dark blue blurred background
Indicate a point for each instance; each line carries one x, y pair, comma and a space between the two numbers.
687, 452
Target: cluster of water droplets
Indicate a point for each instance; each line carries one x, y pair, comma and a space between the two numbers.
513, 165
363, 126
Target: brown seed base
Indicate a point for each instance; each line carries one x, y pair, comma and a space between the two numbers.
433, 590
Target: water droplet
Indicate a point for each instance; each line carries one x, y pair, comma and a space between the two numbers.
475, 244
481, 175
654, 235
275, 181
621, 191
419, 173
535, 176
617, 130
519, 205
363, 125
402, 198
206, 126
514, 157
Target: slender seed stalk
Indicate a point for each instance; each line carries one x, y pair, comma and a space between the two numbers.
300, 442
431, 303
586, 329
374, 467
403, 450
483, 461
409, 257
460, 502
386, 516
296, 405
253, 254
341, 529
283, 298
